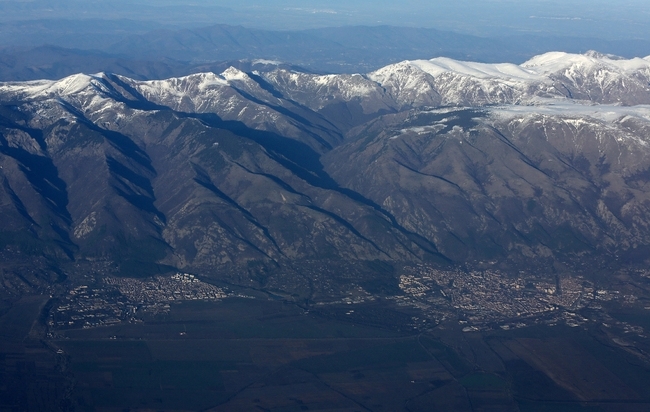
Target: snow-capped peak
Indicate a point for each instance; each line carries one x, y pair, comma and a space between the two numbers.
60, 88
232, 73
599, 55
591, 77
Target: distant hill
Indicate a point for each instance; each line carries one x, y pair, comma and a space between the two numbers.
163, 53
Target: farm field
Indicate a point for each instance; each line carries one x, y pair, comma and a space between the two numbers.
246, 354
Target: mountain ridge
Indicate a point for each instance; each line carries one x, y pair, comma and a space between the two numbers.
253, 175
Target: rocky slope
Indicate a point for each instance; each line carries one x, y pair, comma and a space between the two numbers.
256, 172
528, 182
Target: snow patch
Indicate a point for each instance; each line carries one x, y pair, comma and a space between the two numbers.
269, 62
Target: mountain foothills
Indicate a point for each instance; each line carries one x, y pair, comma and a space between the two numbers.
263, 175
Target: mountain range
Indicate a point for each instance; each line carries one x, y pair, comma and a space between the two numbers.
262, 173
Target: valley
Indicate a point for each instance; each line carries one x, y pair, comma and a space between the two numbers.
436, 233
252, 349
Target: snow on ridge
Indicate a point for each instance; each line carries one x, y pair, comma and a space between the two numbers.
550, 61
191, 84
504, 71
592, 76
38, 88
536, 69
207, 78
322, 85
553, 62
181, 86
606, 113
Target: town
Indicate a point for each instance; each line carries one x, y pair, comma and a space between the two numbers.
475, 299
485, 299
121, 299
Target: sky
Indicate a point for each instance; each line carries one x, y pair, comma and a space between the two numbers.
620, 19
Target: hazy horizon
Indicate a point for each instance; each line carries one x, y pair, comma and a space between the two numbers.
624, 20
485, 31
